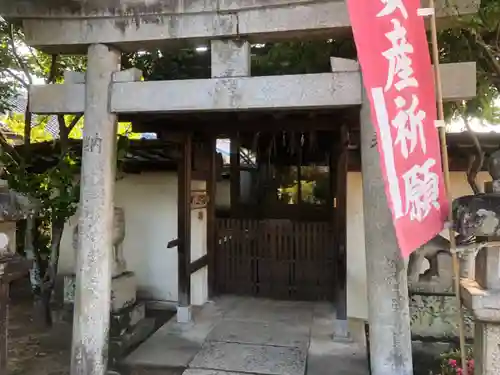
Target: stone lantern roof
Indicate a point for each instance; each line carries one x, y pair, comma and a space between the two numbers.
13, 205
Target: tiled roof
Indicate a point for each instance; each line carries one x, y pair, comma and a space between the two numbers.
145, 154
18, 105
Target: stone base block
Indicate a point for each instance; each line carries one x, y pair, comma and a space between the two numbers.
120, 346
184, 314
341, 331
123, 290
126, 319
441, 327
484, 303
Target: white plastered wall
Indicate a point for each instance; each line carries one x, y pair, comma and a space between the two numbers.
150, 204
357, 302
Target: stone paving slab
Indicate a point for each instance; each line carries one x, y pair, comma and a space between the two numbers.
257, 359
193, 371
334, 358
204, 320
236, 336
152, 371
261, 333
175, 344
272, 311
164, 351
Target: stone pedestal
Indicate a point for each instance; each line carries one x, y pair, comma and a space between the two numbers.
482, 294
482, 297
128, 322
123, 290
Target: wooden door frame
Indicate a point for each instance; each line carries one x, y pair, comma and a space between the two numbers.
211, 208
338, 182
184, 172
340, 221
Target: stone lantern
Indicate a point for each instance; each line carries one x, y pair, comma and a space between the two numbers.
13, 207
479, 216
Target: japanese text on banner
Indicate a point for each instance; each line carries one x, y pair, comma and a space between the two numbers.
392, 49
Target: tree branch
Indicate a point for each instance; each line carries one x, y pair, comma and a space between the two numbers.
497, 39
8, 147
33, 54
20, 62
493, 59
476, 161
74, 122
65, 131
18, 79
53, 70
27, 133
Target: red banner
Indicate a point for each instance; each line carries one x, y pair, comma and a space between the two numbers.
394, 56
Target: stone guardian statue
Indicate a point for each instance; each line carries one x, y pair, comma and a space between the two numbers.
119, 265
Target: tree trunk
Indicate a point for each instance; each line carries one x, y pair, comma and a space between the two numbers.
29, 248
49, 281
32, 253
55, 246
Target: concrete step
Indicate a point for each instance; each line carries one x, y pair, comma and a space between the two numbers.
120, 346
126, 319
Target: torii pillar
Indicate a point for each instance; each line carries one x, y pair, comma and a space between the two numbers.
388, 308
93, 285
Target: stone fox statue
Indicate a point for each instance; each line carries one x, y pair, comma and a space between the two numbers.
466, 219
119, 263
464, 223
431, 252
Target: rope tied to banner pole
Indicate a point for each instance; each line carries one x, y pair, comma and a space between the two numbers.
446, 172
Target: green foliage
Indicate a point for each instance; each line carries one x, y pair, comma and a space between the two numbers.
476, 38
57, 189
473, 38
124, 129
16, 124
272, 58
299, 57
314, 185
169, 64
13, 64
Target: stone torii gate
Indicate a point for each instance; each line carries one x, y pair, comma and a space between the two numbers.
102, 29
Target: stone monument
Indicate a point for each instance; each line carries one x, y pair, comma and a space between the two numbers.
119, 265
128, 316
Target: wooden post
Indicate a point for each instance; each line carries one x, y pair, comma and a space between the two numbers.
299, 173
184, 230
235, 173
446, 172
211, 227
341, 328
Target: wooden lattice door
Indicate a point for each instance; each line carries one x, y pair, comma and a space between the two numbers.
279, 259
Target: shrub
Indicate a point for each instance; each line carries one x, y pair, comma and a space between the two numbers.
450, 363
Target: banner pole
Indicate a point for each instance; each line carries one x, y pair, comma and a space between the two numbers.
446, 171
